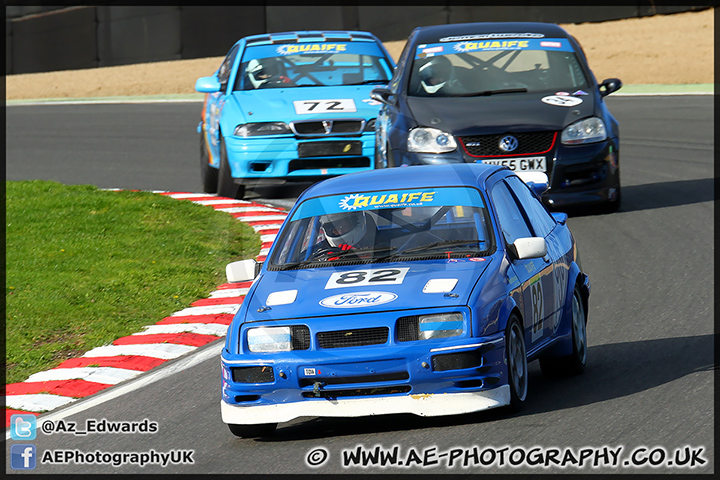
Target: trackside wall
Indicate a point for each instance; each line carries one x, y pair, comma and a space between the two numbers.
43, 39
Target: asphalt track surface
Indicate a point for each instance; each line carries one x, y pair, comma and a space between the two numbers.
649, 386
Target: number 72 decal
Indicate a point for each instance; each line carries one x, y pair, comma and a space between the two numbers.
358, 278
324, 106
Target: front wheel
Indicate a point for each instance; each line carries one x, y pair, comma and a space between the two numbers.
208, 174
226, 186
516, 359
252, 431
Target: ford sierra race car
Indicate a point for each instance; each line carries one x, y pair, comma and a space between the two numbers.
291, 106
384, 295
518, 94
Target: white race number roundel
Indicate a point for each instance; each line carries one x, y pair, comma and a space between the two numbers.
562, 100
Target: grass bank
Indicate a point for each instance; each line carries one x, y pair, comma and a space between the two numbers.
86, 266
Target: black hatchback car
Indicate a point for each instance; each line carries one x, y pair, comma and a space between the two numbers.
519, 94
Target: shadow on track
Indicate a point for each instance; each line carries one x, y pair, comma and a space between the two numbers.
614, 371
658, 195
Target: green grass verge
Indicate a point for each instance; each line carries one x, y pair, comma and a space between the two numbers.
86, 266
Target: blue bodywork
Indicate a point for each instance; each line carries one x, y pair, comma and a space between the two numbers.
321, 113
357, 344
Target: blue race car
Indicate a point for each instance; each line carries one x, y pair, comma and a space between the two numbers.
519, 94
384, 295
291, 106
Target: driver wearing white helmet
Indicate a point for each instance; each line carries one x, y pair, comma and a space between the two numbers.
264, 72
435, 74
343, 228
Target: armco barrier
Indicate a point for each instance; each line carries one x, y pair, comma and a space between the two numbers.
97, 36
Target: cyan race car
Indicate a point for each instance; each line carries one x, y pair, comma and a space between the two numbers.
290, 106
384, 295
519, 94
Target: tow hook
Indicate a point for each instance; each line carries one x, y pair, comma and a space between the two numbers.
316, 388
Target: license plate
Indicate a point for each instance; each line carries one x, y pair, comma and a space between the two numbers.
524, 164
329, 149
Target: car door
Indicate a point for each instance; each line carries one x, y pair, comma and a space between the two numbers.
535, 275
214, 105
544, 225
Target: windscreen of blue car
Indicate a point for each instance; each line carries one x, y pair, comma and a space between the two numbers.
486, 65
312, 64
383, 226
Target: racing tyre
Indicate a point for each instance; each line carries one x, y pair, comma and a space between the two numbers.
614, 206
208, 174
252, 431
573, 364
226, 186
390, 160
380, 161
517, 366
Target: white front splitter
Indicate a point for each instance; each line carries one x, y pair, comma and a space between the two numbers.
425, 405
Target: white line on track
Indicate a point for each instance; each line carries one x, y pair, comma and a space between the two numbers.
158, 373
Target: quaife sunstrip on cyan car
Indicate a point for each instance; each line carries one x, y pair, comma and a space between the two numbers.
384, 295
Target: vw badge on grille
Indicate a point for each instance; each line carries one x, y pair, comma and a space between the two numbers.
508, 143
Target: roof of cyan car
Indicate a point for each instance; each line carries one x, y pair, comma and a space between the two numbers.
415, 176
311, 36
434, 33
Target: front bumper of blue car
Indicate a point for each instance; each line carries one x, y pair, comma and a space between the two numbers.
278, 159
425, 378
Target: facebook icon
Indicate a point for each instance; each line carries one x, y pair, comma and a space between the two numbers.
22, 456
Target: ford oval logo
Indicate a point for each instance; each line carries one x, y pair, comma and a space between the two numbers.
358, 299
508, 143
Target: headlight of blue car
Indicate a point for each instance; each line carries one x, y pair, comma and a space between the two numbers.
257, 129
585, 131
440, 326
269, 339
430, 140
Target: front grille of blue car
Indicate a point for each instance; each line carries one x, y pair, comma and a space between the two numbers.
407, 329
333, 162
330, 381
300, 335
353, 338
529, 143
259, 374
328, 127
457, 361
330, 149
358, 392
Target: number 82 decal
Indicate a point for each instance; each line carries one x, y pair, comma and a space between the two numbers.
358, 278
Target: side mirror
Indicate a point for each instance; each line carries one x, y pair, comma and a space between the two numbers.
560, 217
530, 247
537, 181
242, 271
610, 85
207, 85
382, 95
